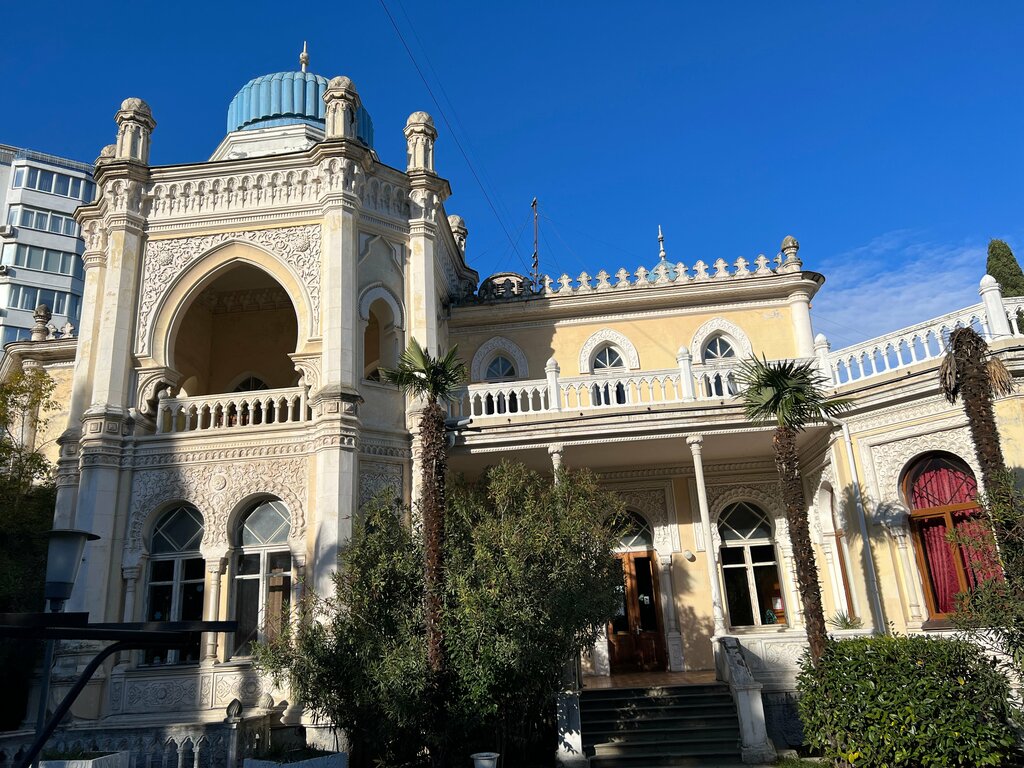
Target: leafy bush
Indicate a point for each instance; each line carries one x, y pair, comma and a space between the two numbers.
906, 701
530, 580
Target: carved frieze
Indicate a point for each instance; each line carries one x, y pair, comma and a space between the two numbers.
653, 504
164, 260
216, 490
380, 477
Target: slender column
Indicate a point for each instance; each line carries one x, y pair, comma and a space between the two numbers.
992, 299
696, 443
215, 569
673, 638
800, 307
794, 605
899, 535
555, 452
130, 573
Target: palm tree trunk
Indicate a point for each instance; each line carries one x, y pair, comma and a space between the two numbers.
787, 464
433, 468
976, 393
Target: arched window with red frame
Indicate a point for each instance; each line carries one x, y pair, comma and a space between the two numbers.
941, 492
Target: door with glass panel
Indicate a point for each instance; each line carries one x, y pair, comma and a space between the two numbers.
636, 638
262, 574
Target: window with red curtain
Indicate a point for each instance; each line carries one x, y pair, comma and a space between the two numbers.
941, 492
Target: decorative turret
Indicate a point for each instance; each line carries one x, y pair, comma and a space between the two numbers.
458, 227
135, 124
420, 135
342, 109
791, 263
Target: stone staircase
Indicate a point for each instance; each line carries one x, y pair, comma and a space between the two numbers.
684, 725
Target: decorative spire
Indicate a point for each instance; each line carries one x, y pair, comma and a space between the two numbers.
661, 244
304, 57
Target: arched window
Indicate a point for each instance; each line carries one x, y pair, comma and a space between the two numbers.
941, 492
381, 338
263, 574
500, 369
635, 531
608, 360
251, 384
607, 357
750, 569
176, 578
718, 348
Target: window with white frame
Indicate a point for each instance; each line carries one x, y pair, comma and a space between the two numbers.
608, 360
46, 260
750, 569
54, 183
500, 369
43, 220
176, 578
716, 381
262, 573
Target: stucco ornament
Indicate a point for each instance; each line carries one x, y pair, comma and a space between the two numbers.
165, 260
494, 346
653, 504
613, 338
216, 490
720, 326
382, 478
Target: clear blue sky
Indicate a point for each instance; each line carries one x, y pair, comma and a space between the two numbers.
887, 137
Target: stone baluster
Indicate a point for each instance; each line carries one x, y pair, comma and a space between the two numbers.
696, 443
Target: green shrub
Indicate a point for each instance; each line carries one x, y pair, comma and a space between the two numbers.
906, 701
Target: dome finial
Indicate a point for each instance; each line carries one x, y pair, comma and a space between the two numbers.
661, 244
304, 57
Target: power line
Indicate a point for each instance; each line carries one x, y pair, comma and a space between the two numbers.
454, 135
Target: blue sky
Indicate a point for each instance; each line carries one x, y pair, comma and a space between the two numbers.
887, 137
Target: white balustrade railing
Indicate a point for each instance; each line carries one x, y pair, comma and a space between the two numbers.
716, 381
903, 348
237, 410
494, 399
620, 388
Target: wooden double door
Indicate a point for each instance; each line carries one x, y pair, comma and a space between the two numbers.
636, 637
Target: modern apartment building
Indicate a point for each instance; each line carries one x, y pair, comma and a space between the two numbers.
42, 245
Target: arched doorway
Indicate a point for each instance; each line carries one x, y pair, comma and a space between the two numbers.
636, 634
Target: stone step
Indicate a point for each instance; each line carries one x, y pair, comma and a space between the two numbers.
703, 747
660, 719
725, 732
641, 711
653, 691
705, 761
696, 699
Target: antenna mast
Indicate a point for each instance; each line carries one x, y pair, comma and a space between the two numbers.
536, 252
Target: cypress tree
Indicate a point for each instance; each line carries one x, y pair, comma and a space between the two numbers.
1004, 268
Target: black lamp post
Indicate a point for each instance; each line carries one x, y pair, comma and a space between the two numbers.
63, 560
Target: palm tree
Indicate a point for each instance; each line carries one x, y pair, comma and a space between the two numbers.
789, 395
970, 373
434, 378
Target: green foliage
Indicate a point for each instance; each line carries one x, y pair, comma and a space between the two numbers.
1004, 268
530, 581
27, 496
420, 374
785, 393
357, 660
842, 620
898, 701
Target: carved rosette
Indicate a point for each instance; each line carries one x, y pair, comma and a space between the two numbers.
216, 490
165, 260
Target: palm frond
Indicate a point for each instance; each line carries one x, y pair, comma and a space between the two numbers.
966, 351
999, 377
949, 380
420, 374
785, 393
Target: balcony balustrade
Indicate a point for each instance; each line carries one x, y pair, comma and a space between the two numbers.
236, 411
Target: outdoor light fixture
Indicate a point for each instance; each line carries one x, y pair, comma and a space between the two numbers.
63, 560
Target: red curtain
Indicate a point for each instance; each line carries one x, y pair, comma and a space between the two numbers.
939, 484
938, 554
977, 547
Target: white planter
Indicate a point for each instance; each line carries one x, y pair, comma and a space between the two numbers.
485, 759
113, 760
337, 760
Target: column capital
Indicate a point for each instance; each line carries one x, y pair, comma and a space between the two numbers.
130, 572
557, 448
696, 443
216, 565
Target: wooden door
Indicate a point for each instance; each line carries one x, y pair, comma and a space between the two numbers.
636, 638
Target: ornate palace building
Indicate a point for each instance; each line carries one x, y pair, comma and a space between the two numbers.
224, 418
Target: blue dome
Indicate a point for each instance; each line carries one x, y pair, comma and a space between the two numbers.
286, 98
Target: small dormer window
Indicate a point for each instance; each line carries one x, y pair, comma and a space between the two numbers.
500, 369
607, 357
718, 348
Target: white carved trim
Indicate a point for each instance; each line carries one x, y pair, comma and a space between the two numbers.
719, 326
492, 347
614, 338
164, 261
379, 291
